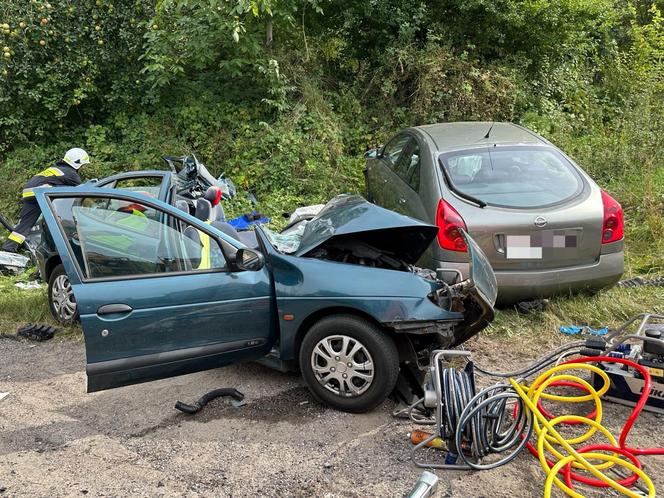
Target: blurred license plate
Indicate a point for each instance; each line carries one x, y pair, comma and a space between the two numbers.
540, 244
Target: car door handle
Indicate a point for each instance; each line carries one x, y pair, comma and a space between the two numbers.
109, 309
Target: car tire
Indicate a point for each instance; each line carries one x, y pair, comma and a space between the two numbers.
61, 300
370, 363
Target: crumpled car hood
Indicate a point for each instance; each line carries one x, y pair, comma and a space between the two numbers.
350, 217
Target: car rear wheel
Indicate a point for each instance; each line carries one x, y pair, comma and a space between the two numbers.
349, 363
61, 300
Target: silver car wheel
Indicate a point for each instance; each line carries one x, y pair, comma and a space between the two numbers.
63, 298
342, 365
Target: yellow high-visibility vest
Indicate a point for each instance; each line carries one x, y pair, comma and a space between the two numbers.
206, 259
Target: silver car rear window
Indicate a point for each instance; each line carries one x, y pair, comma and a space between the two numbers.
515, 177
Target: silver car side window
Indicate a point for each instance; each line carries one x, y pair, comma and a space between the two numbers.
408, 167
392, 151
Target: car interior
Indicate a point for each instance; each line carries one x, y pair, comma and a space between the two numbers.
111, 238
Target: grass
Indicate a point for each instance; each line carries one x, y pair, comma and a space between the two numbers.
609, 307
19, 307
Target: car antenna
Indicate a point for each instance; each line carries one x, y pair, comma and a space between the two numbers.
489, 131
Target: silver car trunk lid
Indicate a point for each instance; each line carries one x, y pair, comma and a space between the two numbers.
548, 219
554, 238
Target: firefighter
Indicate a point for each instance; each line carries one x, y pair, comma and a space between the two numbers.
63, 173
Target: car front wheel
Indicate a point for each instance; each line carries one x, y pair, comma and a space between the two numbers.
349, 363
61, 300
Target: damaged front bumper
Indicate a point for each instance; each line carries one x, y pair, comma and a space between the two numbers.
477, 313
472, 299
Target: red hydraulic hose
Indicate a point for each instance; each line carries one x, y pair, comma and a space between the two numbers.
623, 449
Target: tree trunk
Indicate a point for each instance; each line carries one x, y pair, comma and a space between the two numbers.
268, 34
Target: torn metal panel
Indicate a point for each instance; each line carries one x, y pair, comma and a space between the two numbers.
12, 262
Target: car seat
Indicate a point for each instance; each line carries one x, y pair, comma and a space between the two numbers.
204, 212
182, 205
213, 195
485, 173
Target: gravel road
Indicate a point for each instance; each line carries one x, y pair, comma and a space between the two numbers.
55, 440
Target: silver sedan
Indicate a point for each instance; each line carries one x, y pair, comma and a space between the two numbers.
545, 225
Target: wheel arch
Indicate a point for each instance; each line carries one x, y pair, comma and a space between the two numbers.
50, 265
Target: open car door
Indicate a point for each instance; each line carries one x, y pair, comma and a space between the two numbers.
155, 302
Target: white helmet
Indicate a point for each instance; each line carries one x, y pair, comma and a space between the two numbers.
76, 158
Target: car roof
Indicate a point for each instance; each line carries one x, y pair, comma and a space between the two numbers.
468, 134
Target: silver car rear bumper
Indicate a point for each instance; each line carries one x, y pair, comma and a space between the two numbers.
515, 286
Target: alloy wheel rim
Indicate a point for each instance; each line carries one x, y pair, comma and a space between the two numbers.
63, 298
343, 365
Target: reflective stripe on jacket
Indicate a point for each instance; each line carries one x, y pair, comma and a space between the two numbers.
29, 192
59, 175
17, 237
137, 220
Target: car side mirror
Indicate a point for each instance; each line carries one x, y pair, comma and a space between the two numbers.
373, 153
249, 260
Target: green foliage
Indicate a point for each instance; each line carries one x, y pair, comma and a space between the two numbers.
286, 96
65, 62
233, 39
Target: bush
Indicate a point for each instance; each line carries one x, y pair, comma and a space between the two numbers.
289, 120
65, 64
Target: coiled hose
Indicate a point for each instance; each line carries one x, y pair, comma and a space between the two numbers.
483, 424
480, 425
578, 458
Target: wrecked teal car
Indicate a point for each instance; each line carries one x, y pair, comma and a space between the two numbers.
338, 297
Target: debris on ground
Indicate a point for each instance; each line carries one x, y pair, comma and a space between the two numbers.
37, 332
34, 285
425, 486
575, 329
238, 403
640, 282
417, 436
12, 263
238, 400
3, 396
531, 306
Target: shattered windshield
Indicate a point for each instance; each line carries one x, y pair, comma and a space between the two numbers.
286, 242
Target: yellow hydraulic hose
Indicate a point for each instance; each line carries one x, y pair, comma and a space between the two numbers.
547, 435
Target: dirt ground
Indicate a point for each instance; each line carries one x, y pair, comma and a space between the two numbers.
55, 440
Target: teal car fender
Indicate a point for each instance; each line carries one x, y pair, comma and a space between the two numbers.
307, 289
355, 257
